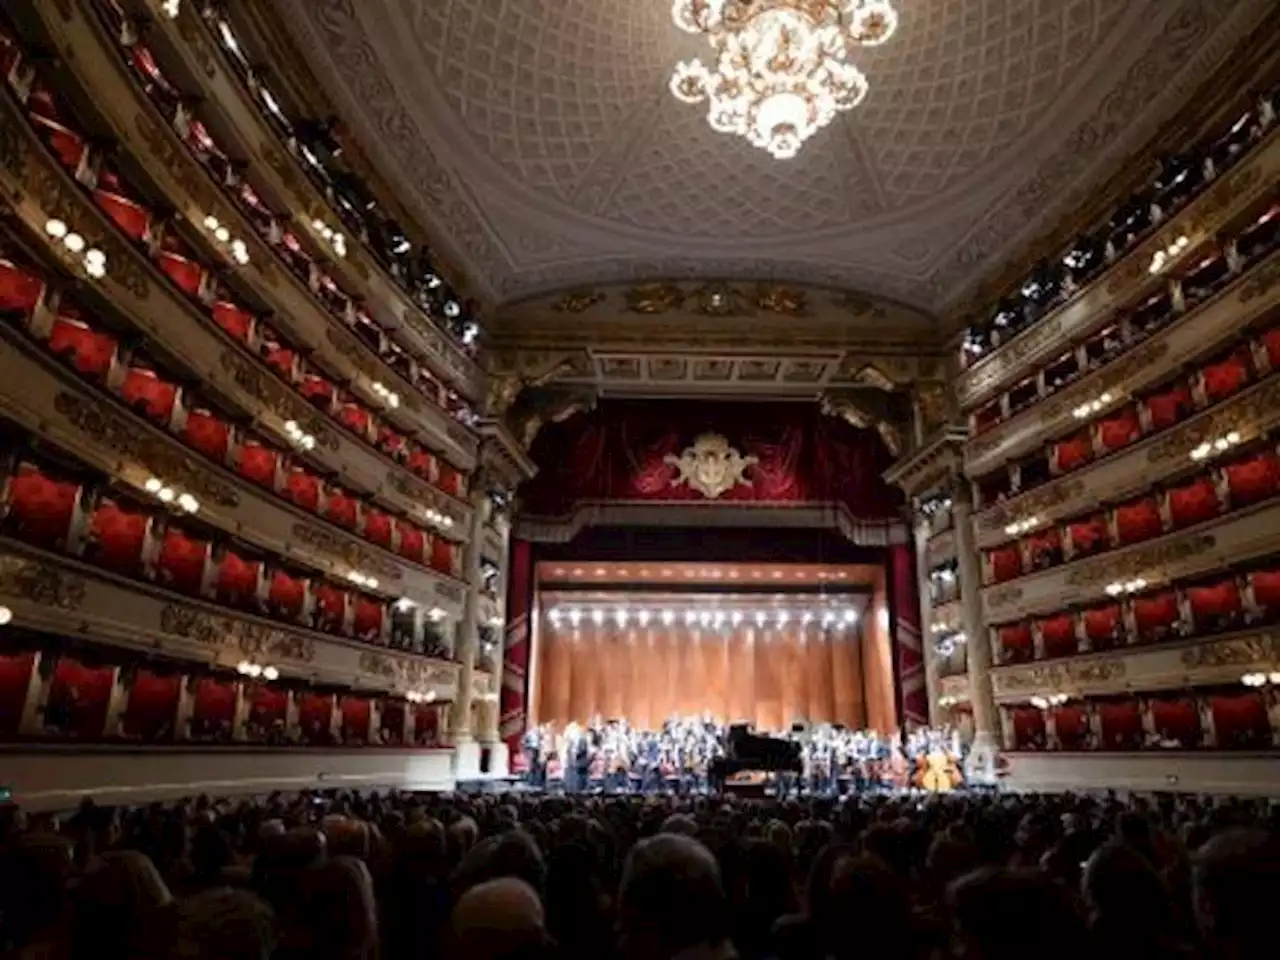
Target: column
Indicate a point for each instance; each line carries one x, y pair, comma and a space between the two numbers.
491, 727
118, 701
186, 707
985, 733
466, 751
932, 684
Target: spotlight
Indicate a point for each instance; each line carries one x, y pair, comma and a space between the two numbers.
668, 617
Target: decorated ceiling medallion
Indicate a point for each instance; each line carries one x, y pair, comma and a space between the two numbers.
781, 69
711, 466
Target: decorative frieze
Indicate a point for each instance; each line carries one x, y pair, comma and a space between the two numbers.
276, 397
244, 636
350, 551
40, 582
1129, 564
1066, 677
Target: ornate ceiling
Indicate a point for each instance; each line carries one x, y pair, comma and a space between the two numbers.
540, 140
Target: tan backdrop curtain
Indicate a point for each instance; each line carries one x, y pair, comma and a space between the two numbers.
768, 676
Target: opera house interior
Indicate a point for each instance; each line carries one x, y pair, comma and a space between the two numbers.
795, 401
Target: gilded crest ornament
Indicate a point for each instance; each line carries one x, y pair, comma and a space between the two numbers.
578, 301
654, 298
711, 466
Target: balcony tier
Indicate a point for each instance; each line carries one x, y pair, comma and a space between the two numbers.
1094, 306
1194, 336
47, 401
188, 40
42, 191
1246, 534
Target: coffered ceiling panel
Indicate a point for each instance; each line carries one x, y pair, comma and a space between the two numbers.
540, 138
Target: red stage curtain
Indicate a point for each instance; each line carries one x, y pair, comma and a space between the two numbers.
618, 452
15, 680
907, 640
152, 708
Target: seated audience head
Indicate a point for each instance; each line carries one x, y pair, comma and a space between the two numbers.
1236, 891
498, 920
671, 900
994, 911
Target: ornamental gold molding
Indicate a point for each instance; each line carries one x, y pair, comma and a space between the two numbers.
41, 583
1262, 649
1003, 597
351, 553
1112, 377
404, 673
1144, 560
711, 466
1036, 501
130, 440
578, 301
277, 398
1058, 677
226, 633
1250, 413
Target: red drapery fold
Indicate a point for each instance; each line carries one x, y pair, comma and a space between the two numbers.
907, 637
515, 661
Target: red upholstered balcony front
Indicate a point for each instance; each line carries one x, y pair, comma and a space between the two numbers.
1240, 721
304, 488
20, 290
367, 618
411, 543
1087, 537
1015, 643
1169, 407
377, 527
1071, 721
207, 434
1118, 430
78, 699
1225, 377
133, 219
331, 608
1194, 502
152, 707
315, 714
1216, 605
286, 596
41, 508
1058, 635
239, 580
1253, 479
236, 322
342, 509
1156, 616
1138, 520
1176, 720
1121, 723
87, 351
117, 538
183, 562
186, 273
144, 391
1103, 625
258, 464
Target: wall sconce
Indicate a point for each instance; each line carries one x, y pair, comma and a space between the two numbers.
331, 237
1126, 587
234, 246
1053, 700
1087, 410
1261, 679
414, 696
1022, 526
248, 668
389, 397
363, 580
1216, 446
1161, 258
92, 260
171, 497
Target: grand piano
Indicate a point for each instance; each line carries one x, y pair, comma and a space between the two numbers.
746, 752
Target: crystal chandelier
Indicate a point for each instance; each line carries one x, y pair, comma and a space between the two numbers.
782, 68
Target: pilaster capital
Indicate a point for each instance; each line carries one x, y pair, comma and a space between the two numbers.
936, 467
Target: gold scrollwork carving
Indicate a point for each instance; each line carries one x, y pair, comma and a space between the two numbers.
1260, 281
1140, 561
276, 397
406, 672
1003, 597
1247, 413
1046, 498
578, 301
1263, 648
157, 456
1112, 377
351, 553
1059, 676
651, 298
41, 583
250, 639
782, 300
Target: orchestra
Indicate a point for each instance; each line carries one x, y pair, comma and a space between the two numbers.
611, 756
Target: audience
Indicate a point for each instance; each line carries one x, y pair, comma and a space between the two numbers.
524, 876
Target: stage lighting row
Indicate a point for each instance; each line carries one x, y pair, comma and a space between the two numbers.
837, 619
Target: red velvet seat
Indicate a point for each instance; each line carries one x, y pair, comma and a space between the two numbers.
391, 443
442, 555
1015, 643
182, 562
451, 481
1225, 377
1194, 502
41, 507
411, 542
117, 538
67, 145
20, 289
1215, 605
208, 434
423, 464
318, 391
144, 391
356, 419
89, 352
